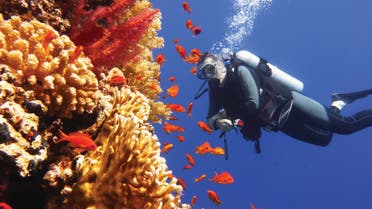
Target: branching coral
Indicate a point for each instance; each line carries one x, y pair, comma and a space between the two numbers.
41, 58
127, 171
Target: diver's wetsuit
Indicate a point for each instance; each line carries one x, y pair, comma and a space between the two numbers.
308, 120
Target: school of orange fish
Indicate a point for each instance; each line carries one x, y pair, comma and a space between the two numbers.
204, 148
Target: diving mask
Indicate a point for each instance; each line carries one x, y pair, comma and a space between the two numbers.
207, 71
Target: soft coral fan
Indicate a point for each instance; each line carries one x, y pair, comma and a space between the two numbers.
127, 171
111, 34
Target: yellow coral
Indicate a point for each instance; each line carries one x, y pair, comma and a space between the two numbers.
127, 166
44, 66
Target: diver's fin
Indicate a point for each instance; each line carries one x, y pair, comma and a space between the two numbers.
348, 98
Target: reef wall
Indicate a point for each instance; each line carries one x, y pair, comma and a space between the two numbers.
100, 87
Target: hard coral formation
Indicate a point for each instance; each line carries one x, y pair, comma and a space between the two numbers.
40, 60
127, 171
46, 11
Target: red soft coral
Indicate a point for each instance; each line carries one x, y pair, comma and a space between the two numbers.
107, 41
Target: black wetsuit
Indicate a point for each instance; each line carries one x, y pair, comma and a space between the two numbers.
308, 120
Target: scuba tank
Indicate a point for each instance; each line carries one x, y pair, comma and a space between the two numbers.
274, 79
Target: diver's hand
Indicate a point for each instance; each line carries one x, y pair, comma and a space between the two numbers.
224, 124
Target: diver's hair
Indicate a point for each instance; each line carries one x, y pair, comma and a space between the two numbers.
206, 55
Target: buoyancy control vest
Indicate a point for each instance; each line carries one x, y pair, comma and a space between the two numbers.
277, 86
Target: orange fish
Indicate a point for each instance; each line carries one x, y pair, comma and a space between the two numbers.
173, 91
188, 166
190, 159
189, 108
195, 52
172, 78
193, 70
176, 107
3, 205
203, 148
212, 195
186, 7
176, 40
196, 30
189, 24
180, 138
193, 200
218, 151
181, 51
168, 128
223, 178
47, 38
194, 56
252, 206
118, 80
160, 59
181, 182
172, 117
204, 127
76, 54
167, 147
138, 77
79, 140
200, 178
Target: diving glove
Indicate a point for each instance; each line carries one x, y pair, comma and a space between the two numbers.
224, 124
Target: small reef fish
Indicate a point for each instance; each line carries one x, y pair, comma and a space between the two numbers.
176, 40
48, 37
252, 206
118, 80
190, 159
223, 178
160, 59
79, 140
212, 195
188, 166
193, 70
189, 108
203, 148
181, 182
168, 128
167, 147
204, 127
218, 151
172, 117
196, 30
186, 7
189, 24
176, 107
180, 138
171, 79
3, 205
181, 51
193, 201
173, 91
200, 178
76, 54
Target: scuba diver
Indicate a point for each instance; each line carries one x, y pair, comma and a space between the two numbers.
245, 87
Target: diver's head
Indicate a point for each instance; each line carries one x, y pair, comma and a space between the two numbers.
211, 66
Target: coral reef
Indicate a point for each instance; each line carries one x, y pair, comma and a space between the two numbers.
127, 171
47, 83
111, 34
40, 60
46, 11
